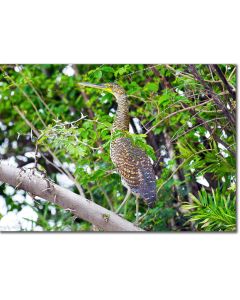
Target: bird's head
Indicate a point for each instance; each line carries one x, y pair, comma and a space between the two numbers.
110, 87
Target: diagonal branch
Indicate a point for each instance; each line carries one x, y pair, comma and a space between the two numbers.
224, 80
176, 112
204, 123
78, 205
213, 95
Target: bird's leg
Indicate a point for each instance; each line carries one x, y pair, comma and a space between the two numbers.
124, 201
137, 209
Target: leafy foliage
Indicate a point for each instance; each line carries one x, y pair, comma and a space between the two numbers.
174, 119
212, 212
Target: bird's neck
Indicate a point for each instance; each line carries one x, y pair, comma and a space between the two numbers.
121, 121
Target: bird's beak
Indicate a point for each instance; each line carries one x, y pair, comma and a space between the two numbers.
91, 85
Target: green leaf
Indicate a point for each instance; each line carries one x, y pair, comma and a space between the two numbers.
107, 69
98, 74
151, 87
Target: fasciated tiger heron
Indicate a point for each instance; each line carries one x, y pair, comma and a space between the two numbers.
132, 163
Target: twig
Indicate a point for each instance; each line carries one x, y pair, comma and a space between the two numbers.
27, 97
49, 150
40, 98
208, 121
215, 98
225, 82
176, 112
230, 76
215, 136
179, 73
180, 167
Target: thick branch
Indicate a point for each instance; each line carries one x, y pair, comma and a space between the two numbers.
78, 205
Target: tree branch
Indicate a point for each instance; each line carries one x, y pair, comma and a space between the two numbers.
204, 123
78, 205
224, 80
176, 112
213, 95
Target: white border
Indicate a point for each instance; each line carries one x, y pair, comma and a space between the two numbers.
119, 266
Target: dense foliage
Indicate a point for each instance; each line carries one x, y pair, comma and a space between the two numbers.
182, 116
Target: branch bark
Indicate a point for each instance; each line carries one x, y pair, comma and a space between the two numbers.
78, 205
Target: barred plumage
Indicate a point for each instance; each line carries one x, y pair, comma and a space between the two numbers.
135, 169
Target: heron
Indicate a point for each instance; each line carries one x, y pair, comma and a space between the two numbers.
132, 163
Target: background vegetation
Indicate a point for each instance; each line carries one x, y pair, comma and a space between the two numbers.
182, 115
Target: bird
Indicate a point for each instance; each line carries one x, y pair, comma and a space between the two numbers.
132, 163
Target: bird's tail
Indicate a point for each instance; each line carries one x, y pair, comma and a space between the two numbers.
150, 200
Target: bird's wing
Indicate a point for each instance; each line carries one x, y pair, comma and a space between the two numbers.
147, 188
135, 168
128, 165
